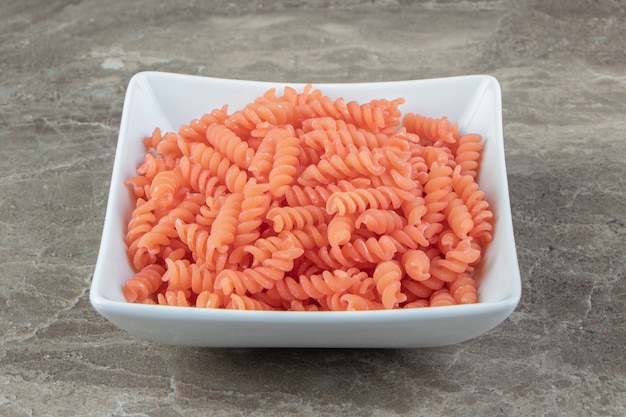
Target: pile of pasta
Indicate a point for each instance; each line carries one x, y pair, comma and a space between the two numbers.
301, 202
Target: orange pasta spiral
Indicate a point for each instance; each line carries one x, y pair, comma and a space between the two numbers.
380, 221
142, 220
349, 202
463, 289
256, 202
413, 236
318, 286
309, 237
436, 191
458, 216
298, 195
371, 250
387, 276
340, 230
356, 163
242, 302
437, 131
229, 144
373, 116
441, 298
145, 282
263, 159
288, 218
324, 130
467, 188
275, 113
416, 264
225, 225
164, 187
284, 166
468, 154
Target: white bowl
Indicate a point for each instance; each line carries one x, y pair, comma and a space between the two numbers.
170, 100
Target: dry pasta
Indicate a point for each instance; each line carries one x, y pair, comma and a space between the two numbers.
306, 203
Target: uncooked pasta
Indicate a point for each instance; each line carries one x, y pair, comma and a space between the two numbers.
304, 203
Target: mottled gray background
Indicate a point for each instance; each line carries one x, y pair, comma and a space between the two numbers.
64, 68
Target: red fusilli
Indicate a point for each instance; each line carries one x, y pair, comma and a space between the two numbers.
304, 202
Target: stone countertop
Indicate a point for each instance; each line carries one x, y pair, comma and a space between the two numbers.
562, 67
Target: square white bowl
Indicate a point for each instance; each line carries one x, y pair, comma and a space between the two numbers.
170, 100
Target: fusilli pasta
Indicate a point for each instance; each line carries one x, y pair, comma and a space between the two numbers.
306, 203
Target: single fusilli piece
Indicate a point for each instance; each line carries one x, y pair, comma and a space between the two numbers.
374, 116
387, 276
355, 164
288, 218
436, 191
195, 237
414, 236
275, 113
458, 216
340, 230
318, 132
142, 220
164, 187
144, 283
416, 264
349, 202
229, 144
380, 221
256, 202
441, 298
308, 237
468, 154
285, 164
210, 299
436, 131
243, 302
298, 195
414, 210
225, 225
263, 159
218, 166
463, 289
373, 250
466, 187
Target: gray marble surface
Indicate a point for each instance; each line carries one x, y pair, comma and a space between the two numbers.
64, 67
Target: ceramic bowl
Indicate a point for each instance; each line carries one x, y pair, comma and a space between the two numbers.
170, 100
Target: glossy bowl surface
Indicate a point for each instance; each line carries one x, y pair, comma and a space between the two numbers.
170, 100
